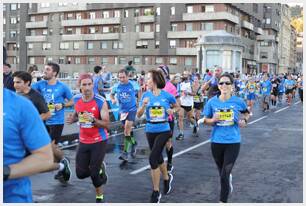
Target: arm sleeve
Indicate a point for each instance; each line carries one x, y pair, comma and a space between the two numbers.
207, 110
68, 94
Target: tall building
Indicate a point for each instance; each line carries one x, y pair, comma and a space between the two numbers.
79, 36
293, 54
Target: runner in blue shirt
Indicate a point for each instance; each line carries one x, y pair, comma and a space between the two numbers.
281, 88
126, 91
266, 87
57, 96
222, 112
156, 104
289, 86
23, 131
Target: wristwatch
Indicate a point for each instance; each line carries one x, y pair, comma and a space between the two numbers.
93, 120
6, 172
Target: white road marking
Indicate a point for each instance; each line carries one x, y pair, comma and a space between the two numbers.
258, 119
281, 109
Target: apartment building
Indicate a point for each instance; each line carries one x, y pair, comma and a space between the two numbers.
79, 36
293, 51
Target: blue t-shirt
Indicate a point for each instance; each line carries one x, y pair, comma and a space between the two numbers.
23, 130
54, 94
289, 84
98, 84
126, 94
281, 86
156, 111
227, 129
266, 87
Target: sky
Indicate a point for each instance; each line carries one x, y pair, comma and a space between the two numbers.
294, 4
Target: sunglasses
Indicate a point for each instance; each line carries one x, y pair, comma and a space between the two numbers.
227, 83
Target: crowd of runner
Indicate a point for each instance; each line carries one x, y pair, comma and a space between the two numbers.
220, 99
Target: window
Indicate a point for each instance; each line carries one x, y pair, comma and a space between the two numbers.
227, 59
156, 44
64, 45
4, 20
146, 60
78, 16
188, 26
49, 59
141, 44
136, 60
147, 28
172, 44
92, 30
50, 32
76, 45
136, 12
104, 60
213, 58
116, 60
32, 32
91, 60
188, 61
126, 13
46, 46
158, 11
264, 55
77, 60
255, 8
89, 45
209, 8
62, 4
31, 60
137, 28
45, 32
105, 29
13, 20
61, 17
117, 14
69, 16
123, 29
172, 11
173, 60
268, 21
148, 12
77, 31
207, 26
30, 46
13, 7
115, 29
3, 34
190, 43
173, 27
45, 5
103, 44
105, 14
69, 31
117, 45
157, 28
13, 34
92, 15
158, 60
4, 7
122, 60
189, 9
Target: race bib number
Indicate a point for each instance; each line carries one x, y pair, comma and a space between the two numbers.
226, 117
123, 116
85, 121
51, 108
157, 114
196, 98
264, 89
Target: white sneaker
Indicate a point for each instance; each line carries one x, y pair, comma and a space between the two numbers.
231, 183
200, 121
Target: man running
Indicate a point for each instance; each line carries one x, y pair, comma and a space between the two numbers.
289, 86
91, 111
126, 94
266, 88
58, 96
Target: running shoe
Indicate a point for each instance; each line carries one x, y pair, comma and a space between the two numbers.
194, 129
66, 172
103, 174
58, 175
231, 183
155, 197
100, 199
133, 150
180, 137
170, 167
167, 184
124, 156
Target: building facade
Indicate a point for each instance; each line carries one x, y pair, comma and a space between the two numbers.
79, 36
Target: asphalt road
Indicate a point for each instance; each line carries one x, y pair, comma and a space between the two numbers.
269, 167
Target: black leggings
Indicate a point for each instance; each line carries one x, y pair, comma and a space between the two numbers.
89, 159
301, 94
157, 142
225, 156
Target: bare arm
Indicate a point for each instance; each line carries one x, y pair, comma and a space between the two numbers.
45, 116
40, 160
104, 121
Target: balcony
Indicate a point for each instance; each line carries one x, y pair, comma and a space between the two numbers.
211, 16
11, 52
36, 38
185, 34
186, 51
258, 30
247, 25
266, 37
90, 37
83, 22
145, 19
146, 35
36, 24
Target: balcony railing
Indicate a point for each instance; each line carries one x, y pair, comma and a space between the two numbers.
211, 16
83, 22
84, 37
